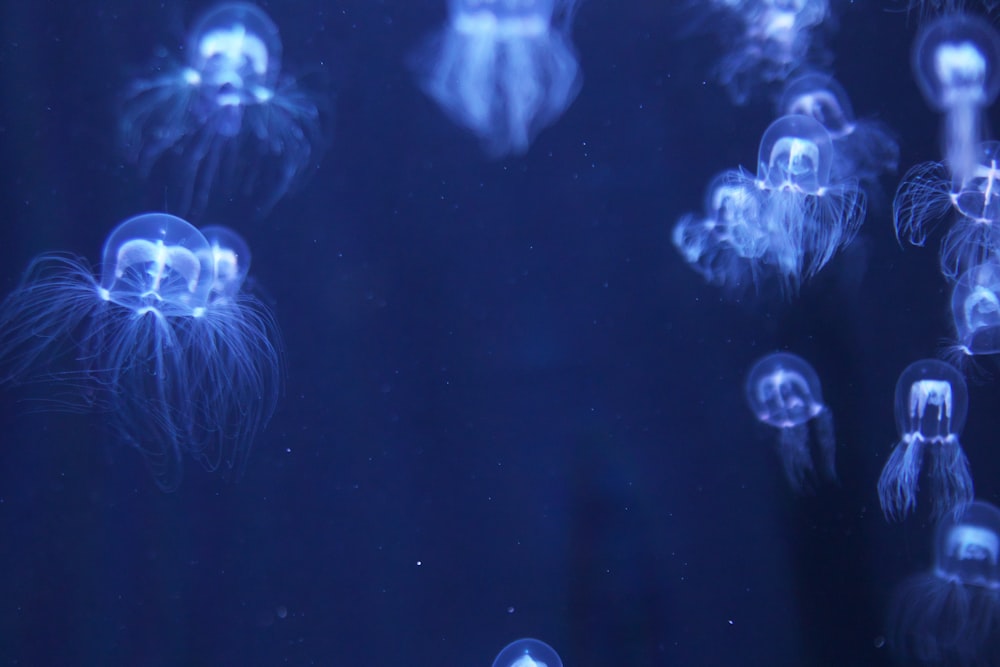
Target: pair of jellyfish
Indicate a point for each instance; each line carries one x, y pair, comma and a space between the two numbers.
773, 39
503, 69
527, 652
950, 614
165, 341
864, 149
932, 402
784, 224
784, 392
226, 119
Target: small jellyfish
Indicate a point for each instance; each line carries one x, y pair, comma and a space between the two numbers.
975, 309
864, 149
928, 196
527, 653
956, 61
931, 405
950, 614
772, 40
784, 392
818, 215
164, 342
504, 69
227, 120
727, 245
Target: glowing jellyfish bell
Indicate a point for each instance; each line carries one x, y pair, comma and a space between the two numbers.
968, 548
821, 97
955, 61
229, 254
527, 652
975, 307
236, 47
157, 263
796, 153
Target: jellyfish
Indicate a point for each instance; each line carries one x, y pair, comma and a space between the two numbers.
773, 39
527, 652
928, 196
503, 69
164, 341
227, 120
727, 245
931, 405
784, 392
863, 148
975, 309
949, 615
956, 61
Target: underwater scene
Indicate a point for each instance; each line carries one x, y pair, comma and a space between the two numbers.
510, 333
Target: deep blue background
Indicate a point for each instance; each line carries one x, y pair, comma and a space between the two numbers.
510, 408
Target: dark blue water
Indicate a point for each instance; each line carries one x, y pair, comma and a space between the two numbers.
510, 408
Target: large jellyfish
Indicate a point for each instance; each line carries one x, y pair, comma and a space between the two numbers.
227, 120
956, 61
527, 652
931, 405
863, 148
164, 341
950, 614
504, 69
928, 196
784, 392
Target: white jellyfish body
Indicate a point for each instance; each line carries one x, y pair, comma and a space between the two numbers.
929, 195
227, 120
864, 149
949, 615
503, 69
783, 391
956, 61
931, 405
164, 342
527, 652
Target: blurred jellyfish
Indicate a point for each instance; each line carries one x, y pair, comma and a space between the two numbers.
773, 39
928, 195
727, 245
931, 405
784, 392
227, 120
863, 149
975, 308
956, 61
504, 69
164, 342
949, 615
527, 653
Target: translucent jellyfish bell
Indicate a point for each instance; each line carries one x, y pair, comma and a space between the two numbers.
821, 97
796, 153
949, 615
508, 18
975, 308
230, 257
527, 652
236, 47
783, 391
157, 262
931, 405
